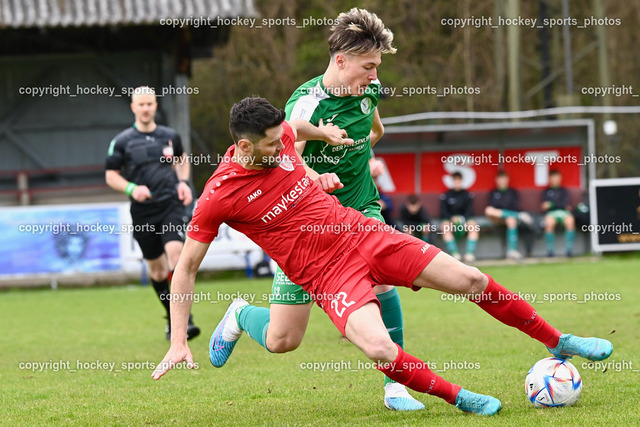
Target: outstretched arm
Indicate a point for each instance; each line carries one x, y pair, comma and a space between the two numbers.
329, 133
329, 182
182, 287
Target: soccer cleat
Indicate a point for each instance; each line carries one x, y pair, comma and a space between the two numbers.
590, 348
192, 330
477, 403
226, 335
457, 256
396, 398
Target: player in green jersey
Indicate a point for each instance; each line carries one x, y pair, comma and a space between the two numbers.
346, 95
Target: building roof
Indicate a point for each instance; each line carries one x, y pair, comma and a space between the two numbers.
78, 13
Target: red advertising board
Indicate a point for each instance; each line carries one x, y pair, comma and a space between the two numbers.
527, 168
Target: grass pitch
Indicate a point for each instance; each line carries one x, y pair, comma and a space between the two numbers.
84, 357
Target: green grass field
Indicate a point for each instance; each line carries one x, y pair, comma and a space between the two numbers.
74, 328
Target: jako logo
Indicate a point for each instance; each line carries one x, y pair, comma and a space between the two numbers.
254, 196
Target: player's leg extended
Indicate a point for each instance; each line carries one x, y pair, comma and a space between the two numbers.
365, 329
279, 329
448, 275
396, 396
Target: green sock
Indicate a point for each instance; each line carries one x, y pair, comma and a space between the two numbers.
549, 237
506, 213
392, 318
471, 246
569, 236
255, 321
512, 239
452, 247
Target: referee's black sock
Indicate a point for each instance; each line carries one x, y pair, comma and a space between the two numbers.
162, 289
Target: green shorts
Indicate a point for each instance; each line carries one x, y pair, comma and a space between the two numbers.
459, 228
284, 291
559, 215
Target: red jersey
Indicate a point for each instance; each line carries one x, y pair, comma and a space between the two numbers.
282, 210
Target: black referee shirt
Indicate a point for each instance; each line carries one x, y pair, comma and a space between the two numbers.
147, 159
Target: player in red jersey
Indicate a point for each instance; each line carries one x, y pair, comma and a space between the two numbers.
336, 254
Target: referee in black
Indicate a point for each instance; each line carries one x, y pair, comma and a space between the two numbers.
147, 163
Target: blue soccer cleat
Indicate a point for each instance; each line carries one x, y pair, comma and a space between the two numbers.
477, 403
590, 348
226, 335
396, 398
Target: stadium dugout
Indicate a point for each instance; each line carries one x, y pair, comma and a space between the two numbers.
67, 69
421, 159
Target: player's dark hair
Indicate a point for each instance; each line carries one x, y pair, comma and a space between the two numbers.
413, 199
360, 32
501, 173
251, 117
456, 175
554, 172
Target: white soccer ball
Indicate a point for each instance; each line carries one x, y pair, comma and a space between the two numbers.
553, 382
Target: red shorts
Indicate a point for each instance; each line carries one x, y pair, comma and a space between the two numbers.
380, 258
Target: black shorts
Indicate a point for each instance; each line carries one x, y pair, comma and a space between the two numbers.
156, 225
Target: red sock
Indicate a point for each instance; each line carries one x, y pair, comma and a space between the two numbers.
512, 310
415, 374
170, 276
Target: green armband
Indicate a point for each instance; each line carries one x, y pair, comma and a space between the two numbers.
129, 188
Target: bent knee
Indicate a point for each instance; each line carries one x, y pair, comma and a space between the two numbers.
283, 344
380, 349
475, 281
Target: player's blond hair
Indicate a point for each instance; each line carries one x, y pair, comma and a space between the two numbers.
360, 32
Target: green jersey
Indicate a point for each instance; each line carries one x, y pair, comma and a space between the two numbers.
313, 102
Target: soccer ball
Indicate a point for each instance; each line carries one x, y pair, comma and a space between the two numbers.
553, 382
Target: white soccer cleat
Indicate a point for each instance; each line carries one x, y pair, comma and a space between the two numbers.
396, 398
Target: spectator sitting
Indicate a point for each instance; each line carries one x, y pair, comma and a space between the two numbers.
504, 208
555, 205
456, 206
415, 219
